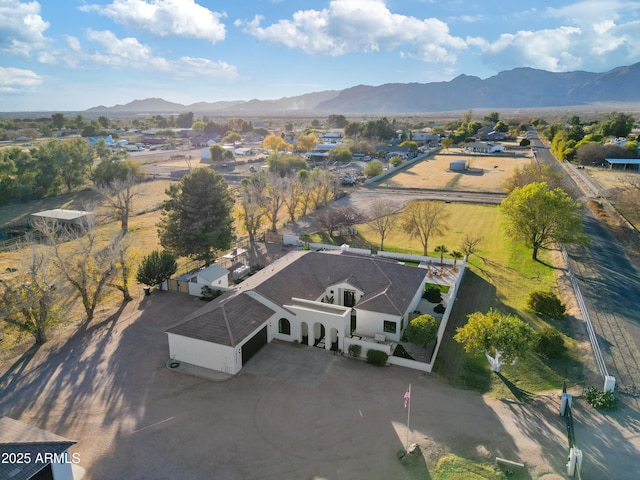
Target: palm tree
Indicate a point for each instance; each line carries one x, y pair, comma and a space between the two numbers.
456, 256
442, 249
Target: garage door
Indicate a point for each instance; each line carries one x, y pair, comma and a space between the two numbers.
250, 348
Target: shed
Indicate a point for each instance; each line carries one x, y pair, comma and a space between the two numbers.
214, 276
63, 219
458, 165
623, 163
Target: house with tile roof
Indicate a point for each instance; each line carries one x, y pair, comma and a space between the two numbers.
322, 299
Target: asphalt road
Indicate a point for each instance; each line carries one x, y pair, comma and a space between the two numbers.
610, 285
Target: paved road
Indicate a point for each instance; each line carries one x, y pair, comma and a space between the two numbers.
610, 284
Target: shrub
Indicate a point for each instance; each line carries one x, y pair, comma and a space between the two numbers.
432, 294
601, 400
439, 308
355, 350
422, 330
377, 358
546, 303
208, 293
549, 343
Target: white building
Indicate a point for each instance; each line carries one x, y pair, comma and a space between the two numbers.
315, 298
483, 147
215, 277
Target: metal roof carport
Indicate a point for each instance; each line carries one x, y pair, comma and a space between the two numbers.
623, 163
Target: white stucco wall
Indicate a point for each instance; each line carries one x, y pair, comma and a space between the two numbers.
368, 324
338, 292
305, 313
204, 354
414, 304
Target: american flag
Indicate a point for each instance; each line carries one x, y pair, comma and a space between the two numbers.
406, 398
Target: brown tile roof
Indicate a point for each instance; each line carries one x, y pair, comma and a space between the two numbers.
228, 320
388, 286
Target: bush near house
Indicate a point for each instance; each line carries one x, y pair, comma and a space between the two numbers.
600, 400
432, 294
208, 293
549, 343
377, 358
546, 303
355, 350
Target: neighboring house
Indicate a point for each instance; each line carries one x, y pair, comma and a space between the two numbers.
108, 139
483, 147
495, 136
215, 277
321, 152
315, 298
202, 140
29, 453
330, 137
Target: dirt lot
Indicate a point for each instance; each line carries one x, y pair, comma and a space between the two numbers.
107, 387
485, 173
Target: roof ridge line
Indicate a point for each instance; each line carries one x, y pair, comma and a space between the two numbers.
226, 323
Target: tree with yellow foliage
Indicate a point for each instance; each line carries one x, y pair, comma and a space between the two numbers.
275, 143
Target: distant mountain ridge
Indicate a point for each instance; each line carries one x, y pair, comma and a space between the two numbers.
517, 88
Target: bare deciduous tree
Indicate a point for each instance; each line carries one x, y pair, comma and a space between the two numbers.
119, 195
274, 198
423, 218
470, 244
124, 260
250, 209
383, 217
293, 196
81, 259
29, 300
332, 218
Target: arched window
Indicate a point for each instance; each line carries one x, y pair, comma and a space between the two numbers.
284, 326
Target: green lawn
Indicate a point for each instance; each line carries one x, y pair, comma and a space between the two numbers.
452, 467
500, 275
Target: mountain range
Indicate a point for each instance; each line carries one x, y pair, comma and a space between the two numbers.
517, 88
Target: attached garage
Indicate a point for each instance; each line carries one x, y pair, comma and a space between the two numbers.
254, 344
222, 335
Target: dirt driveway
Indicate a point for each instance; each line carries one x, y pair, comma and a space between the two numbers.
107, 388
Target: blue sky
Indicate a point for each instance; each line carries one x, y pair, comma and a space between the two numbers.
77, 54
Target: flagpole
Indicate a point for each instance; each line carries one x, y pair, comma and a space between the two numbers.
408, 416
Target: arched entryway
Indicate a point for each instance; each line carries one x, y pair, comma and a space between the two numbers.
319, 334
334, 343
304, 333
284, 326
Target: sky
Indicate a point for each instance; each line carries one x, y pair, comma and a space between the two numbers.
72, 55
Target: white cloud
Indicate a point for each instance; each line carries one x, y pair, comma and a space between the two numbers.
348, 26
13, 80
595, 35
165, 17
130, 53
21, 27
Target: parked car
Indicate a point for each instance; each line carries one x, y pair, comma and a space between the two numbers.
350, 181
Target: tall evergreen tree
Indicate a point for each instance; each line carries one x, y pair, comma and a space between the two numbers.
197, 218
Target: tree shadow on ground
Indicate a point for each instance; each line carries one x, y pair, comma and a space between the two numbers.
520, 394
